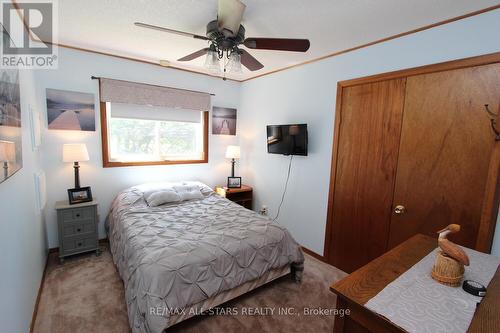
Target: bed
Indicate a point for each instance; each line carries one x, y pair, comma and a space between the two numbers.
180, 259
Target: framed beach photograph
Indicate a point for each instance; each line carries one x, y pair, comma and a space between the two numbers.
233, 182
79, 195
70, 110
11, 155
223, 121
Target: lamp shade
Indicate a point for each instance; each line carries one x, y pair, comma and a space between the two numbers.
7, 151
75, 152
233, 152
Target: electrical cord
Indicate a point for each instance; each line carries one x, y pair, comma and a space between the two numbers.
284, 190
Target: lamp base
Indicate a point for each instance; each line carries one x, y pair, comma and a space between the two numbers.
77, 174
233, 162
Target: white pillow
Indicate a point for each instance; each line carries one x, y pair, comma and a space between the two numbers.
204, 189
188, 192
162, 197
150, 188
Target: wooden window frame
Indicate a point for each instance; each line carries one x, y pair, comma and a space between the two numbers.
106, 163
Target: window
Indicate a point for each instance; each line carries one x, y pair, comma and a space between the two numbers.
148, 135
143, 124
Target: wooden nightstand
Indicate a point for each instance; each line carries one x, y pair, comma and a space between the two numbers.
77, 227
242, 196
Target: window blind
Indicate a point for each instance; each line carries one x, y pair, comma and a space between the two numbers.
125, 92
147, 112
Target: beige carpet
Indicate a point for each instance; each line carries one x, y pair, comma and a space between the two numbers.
85, 294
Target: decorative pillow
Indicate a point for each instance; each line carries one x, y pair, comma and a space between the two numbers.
204, 189
162, 197
150, 188
188, 192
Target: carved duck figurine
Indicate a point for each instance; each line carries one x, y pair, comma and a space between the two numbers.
449, 248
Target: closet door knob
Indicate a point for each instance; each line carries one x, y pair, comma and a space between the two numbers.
399, 209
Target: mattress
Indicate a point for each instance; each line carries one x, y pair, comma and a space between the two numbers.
174, 256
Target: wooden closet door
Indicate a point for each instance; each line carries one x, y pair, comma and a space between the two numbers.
367, 153
445, 153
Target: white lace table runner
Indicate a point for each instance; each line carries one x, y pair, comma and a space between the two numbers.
417, 303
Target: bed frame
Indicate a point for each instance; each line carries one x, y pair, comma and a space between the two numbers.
231, 294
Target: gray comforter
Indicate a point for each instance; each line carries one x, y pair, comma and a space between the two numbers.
174, 256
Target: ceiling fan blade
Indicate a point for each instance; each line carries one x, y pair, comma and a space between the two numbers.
280, 44
249, 61
229, 16
172, 31
194, 55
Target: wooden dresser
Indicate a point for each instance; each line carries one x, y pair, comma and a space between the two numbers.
362, 285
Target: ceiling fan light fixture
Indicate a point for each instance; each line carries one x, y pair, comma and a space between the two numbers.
234, 63
225, 35
212, 63
230, 14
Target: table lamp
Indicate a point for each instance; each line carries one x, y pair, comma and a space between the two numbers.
7, 154
75, 152
233, 152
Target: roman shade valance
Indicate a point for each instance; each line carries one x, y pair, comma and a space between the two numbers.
146, 112
119, 91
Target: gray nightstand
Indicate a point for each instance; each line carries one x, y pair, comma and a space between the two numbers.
77, 226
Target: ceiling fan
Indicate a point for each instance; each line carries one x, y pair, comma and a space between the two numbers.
225, 36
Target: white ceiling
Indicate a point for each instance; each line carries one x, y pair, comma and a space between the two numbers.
330, 25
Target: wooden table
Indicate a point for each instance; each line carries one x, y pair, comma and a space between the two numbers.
359, 287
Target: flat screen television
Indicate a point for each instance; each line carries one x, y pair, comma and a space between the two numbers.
287, 139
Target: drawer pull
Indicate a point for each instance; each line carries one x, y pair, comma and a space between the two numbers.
79, 244
78, 215
78, 230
